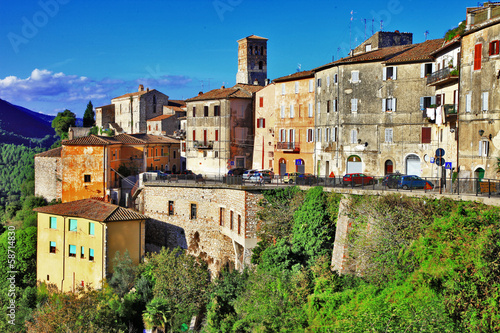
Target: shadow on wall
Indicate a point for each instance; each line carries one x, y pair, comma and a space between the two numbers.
161, 234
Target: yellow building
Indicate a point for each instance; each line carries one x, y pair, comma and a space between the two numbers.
77, 241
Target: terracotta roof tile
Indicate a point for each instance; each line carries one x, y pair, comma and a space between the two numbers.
129, 139
176, 102
164, 116
137, 93
105, 107
238, 91
253, 37
93, 210
149, 138
91, 140
295, 76
56, 152
419, 52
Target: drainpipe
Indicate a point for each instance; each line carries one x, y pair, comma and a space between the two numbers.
63, 254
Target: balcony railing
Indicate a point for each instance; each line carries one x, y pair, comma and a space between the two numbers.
443, 75
288, 145
203, 144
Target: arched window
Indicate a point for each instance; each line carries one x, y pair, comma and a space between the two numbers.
250, 50
262, 50
261, 65
389, 167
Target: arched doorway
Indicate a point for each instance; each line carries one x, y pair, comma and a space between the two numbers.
388, 167
413, 165
282, 166
174, 169
299, 165
479, 174
354, 164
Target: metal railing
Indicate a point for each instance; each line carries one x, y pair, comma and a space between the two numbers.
288, 145
440, 75
458, 186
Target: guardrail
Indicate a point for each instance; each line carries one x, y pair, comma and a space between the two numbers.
471, 186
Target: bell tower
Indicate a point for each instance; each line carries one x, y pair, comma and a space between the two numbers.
252, 60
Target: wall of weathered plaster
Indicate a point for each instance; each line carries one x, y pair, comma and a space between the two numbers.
48, 177
203, 236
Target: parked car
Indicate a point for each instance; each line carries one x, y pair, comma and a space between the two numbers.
236, 172
187, 174
291, 177
306, 179
357, 179
412, 181
260, 177
391, 180
247, 174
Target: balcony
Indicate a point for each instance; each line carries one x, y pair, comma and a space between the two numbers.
203, 144
293, 146
443, 76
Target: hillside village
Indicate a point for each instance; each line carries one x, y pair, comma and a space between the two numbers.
385, 108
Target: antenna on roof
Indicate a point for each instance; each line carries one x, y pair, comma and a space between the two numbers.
381, 25
365, 28
299, 67
373, 20
338, 50
350, 34
426, 33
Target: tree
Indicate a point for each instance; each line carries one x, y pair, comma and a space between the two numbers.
88, 116
62, 123
123, 273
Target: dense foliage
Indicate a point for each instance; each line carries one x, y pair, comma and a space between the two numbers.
452, 33
62, 122
89, 115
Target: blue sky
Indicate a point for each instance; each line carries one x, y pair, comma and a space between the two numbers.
58, 54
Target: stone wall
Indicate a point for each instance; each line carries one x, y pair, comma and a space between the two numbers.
203, 235
48, 177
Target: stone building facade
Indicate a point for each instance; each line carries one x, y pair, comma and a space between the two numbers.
216, 224
252, 60
294, 123
48, 174
479, 125
220, 131
380, 127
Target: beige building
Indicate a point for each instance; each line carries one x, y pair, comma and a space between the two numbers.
77, 241
479, 106
265, 119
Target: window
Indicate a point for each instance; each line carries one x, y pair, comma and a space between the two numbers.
216, 137
72, 250
328, 80
241, 134
91, 254
72, 225
468, 102
368, 47
426, 135
388, 104
310, 135
354, 105
335, 105
335, 78
170, 208
82, 252
318, 84
194, 111
175, 152
318, 107
355, 76
389, 73
318, 135
327, 134
328, 106
283, 89
53, 222
296, 87
162, 153
494, 47
193, 212
91, 228
282, 113
205, 111
194, 135
231, 220
261, 123
483, 148
426, 102
239, 224
52, 248
311, 85
86, 178
478, 49
282, 135
388, 135
261, 65
426, 69
291, 135
334, 134
221, 216
261, 102
354, 136
217, 110
292, 111
310, 110
484, 101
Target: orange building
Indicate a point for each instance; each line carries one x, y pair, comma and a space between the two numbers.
90, 164
294, 125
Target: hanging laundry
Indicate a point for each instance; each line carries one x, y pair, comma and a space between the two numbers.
439, 115
431, 113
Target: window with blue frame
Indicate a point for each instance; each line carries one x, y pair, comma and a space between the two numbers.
53, 222
72, 225
91, 254
52, 247
72, 250
91, 228
82, 253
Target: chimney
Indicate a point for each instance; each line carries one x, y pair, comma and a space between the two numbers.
141, 87
223, 87
266, 82
147, 89
200, 93
256, 82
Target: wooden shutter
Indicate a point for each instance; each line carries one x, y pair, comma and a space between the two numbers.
426, 135
477, 56
261, 101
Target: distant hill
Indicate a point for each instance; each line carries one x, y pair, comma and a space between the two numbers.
19, 125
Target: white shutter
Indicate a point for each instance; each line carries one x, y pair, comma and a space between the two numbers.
468, 102
292, 113
433, 67
327, 81
422, 103
335, 105
296, 87
310, 110
384, 105
318, 135
354, 136
311, 85
393, 105
384, 74
422, 70
486, 146
335, 134
282, 111
480, 148
292, 135
394, 71
282, 88
484, 106
318, 108
388, 135
354, 105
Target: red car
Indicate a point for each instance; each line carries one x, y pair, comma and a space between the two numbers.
357, 179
